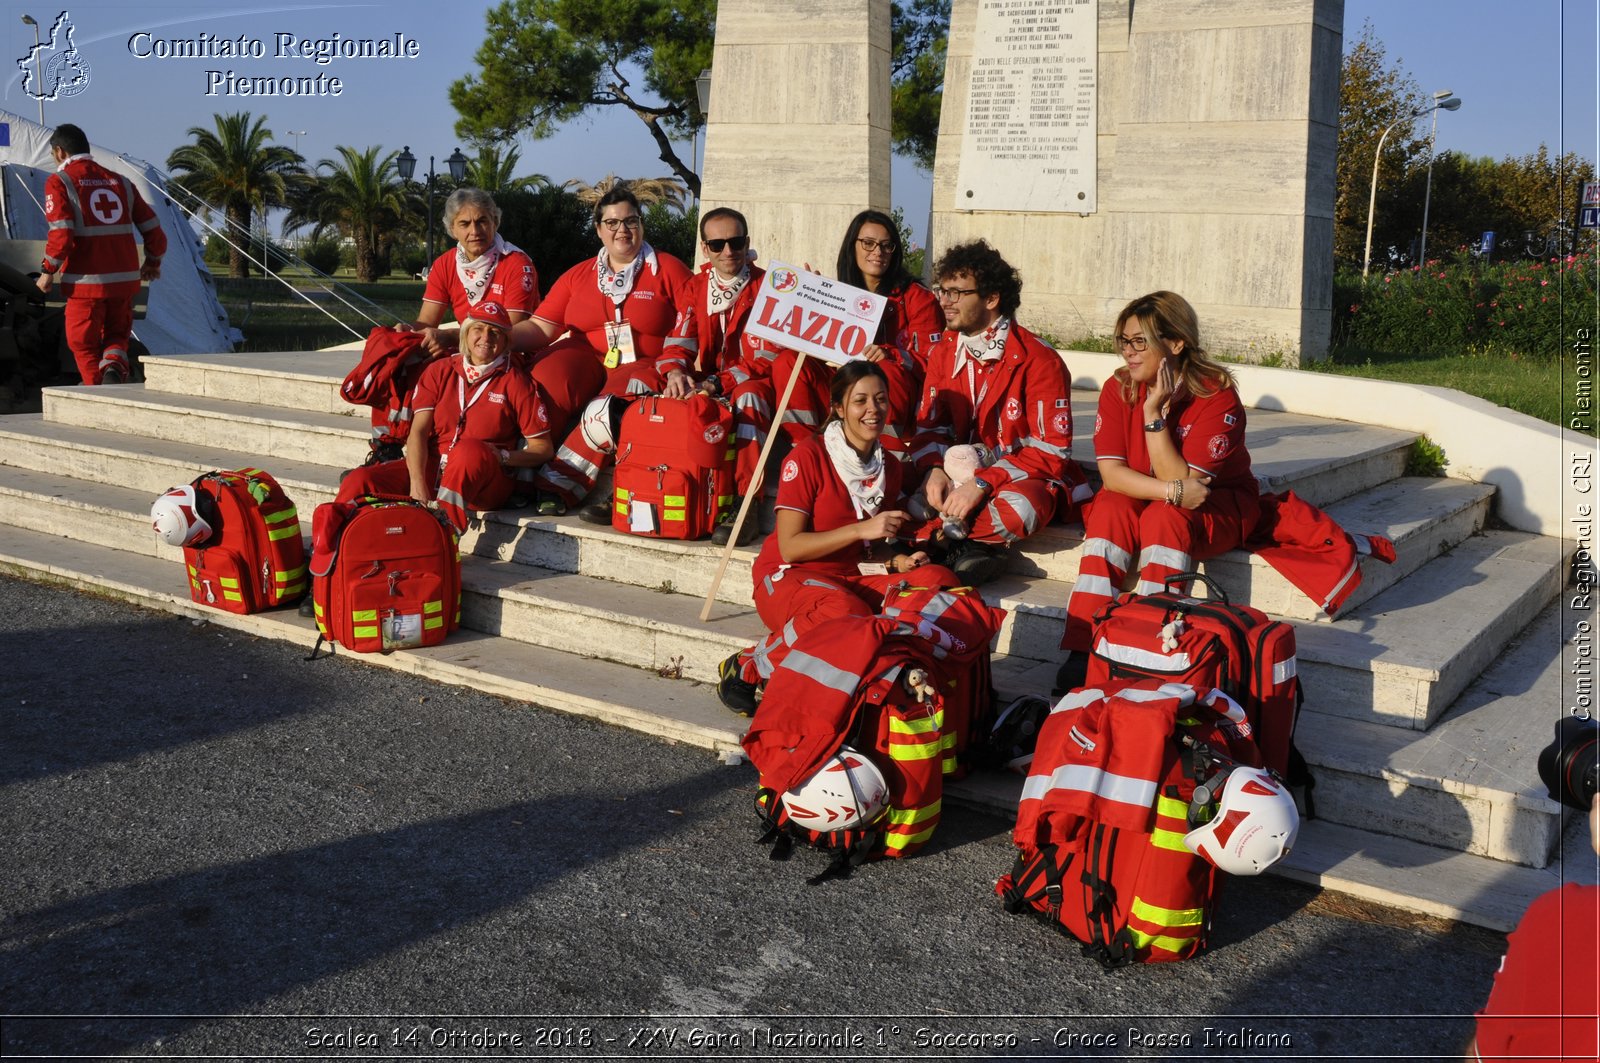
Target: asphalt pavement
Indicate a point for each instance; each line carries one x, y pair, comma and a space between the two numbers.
215, 849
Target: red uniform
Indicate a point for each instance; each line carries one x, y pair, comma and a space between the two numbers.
1018, 405
716, 345
472, 423
1209, 433
651, 310
93, 214
1549, 969
514, 284
792, 599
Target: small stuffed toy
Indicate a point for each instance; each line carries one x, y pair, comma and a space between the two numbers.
961, 464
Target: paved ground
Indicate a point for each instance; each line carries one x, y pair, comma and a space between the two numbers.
215, 848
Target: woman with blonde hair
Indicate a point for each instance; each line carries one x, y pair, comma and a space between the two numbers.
1169, 443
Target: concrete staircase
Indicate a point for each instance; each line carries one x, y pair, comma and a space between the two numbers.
1426, 702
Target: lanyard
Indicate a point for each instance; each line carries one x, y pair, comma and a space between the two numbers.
465, 404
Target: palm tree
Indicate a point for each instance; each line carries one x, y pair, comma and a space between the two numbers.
234, 168
648, 190
491, 171
361, 197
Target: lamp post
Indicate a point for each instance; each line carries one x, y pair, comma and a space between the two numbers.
702, 91
1442, 99
406, 163
1377, 156
38, 62
297, 134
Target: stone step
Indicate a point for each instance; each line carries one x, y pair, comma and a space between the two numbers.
270, 433
1398, 662
1322, 460
1389, 870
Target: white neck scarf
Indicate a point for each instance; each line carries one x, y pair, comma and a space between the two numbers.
863, 479
475, 373
987, 346
474, 273
616, 284
720, 294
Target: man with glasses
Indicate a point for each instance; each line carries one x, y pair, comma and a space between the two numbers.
991, 383
709, 343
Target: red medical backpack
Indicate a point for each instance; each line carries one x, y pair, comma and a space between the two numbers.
255, 558
385, 575
674, 473
1103, 815
1212, 643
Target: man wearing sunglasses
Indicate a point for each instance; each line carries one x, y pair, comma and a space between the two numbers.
994, 384
709, 343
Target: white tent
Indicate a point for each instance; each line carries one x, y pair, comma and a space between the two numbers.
183, 315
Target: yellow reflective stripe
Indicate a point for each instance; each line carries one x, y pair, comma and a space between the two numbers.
621, 507
674, 514
291, 590
904, 817
948, 741
900, 841
1171, 944
949, 766
274, 534
286, 575
898, 726
675, 500
316, 605
280, 516
193, 571
1150, 913
227, 582
1168, 839
914, 751
233, 596
359, 615
432, 623
366, 632
1171, 807
433, 607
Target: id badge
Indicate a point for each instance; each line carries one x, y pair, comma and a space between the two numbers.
872, 568
401, 630
619, 344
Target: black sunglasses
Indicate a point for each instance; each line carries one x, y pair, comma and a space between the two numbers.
738, 243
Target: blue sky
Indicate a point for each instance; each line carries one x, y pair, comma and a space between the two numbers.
1523, 75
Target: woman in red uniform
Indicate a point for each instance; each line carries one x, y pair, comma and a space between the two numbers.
621, 305
1169, 443
482, 266
833, 552
477, 420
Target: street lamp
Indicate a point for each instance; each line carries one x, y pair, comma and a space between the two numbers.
406, 163
1377, 156
38, 60
702, 91
297, 134
1443, 99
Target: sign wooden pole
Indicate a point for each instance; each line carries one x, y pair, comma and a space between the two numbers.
753, 492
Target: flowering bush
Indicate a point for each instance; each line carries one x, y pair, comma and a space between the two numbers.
1515, 309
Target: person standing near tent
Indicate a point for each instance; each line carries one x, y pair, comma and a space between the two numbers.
93, 214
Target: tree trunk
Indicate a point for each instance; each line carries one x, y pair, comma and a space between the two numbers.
366, 257
237, 234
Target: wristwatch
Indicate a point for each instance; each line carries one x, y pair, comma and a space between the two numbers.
1157, 425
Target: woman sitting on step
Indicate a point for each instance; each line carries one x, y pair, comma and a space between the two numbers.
833, 552
1177, 486
477, 419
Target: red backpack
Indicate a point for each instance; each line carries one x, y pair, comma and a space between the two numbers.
1103, 815
255, 558
385, 575
391, 364
1174, 638
674, 474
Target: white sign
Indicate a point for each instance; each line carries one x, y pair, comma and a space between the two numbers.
1031, 108
1591, 194
808, 312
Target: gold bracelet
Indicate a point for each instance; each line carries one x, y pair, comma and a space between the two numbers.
1179, 485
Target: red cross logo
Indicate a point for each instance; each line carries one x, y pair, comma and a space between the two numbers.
105, 205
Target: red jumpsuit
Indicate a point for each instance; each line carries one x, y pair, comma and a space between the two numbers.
472, 423
717, 345
651, 310
93, 214
1020, 406
792, 599
912, 323
1549, 969
1209, 433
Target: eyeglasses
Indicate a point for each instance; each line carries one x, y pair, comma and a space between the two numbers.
1137, 343
632, 221
738, 243
870, 245
953, 295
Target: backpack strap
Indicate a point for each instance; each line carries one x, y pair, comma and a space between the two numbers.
1107, 943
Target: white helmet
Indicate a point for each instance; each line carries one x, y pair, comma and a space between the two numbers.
1254, 827
847, 791
176, 518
